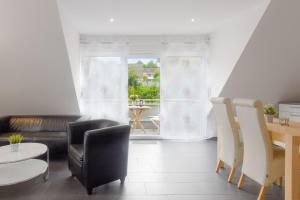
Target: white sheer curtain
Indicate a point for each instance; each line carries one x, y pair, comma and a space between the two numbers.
184, 93
104, 81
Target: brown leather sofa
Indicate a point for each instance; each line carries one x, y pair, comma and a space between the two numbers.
50, 130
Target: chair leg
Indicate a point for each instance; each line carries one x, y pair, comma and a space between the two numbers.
231, 175
262, 192
279, 182
220, 165
241, 181
89, 191
122, 180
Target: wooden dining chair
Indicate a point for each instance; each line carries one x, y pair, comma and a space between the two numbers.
263, 162
230, 147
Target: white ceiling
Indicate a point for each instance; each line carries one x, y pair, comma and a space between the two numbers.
151, 17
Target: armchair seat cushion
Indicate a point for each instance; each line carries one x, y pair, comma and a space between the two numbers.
76, 151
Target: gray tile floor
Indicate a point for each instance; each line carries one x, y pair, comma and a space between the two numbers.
158, 170
145, 132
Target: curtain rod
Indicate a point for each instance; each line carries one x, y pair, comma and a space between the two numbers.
142, 39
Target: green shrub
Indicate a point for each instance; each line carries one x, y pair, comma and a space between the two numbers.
148, 92
135, 87
144, 92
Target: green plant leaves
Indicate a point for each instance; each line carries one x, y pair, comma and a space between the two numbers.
270, 110
15, 138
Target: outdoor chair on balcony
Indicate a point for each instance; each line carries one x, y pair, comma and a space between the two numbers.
155, 121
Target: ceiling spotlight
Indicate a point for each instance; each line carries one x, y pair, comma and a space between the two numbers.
111, 20
193, 20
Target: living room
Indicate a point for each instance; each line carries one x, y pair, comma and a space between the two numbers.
147, 100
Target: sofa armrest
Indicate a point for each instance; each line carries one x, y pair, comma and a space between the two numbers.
106, 149
4, 124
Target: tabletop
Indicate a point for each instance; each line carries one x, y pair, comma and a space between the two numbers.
139, 107
26, 151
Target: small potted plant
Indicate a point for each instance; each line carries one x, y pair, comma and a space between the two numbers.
133, 98
270, 112
15, 140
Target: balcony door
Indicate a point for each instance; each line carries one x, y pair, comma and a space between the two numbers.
144, 95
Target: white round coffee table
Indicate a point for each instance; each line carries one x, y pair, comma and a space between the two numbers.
19, 172
22, 165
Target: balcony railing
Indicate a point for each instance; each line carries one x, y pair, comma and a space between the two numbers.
147, 102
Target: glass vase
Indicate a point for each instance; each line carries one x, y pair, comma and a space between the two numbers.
14, 147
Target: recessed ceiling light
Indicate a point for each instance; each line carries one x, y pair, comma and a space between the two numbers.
193, 20
112, 20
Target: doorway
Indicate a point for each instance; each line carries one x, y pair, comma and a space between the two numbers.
144, 95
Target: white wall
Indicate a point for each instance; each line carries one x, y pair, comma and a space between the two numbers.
228, 43
269, 68
71, 35
35, 76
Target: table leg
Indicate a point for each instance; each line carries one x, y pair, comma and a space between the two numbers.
134, 116
46, 176
139, 118
134, 124
137, 115
142, 126
291, 168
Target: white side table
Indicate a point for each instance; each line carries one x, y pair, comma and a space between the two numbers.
21, 165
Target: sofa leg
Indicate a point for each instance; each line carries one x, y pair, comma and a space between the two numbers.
89, 191
122, 180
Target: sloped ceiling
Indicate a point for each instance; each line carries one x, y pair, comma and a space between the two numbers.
269, 67
228, 42
35, 75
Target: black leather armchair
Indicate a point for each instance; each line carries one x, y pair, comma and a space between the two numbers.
98, 152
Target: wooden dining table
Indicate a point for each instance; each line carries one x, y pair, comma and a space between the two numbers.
290, 136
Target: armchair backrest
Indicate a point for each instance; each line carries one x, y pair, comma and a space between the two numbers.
106, 150
76, 130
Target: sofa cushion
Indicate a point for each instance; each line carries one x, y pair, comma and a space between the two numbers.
40, 123
76, 151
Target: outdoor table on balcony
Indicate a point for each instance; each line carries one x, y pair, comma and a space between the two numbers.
137, 113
